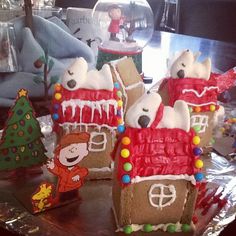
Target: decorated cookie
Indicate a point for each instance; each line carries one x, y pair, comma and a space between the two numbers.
21, 144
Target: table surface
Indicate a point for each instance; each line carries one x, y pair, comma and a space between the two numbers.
92, 215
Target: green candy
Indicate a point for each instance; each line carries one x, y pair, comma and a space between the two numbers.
190, 109
186, 228
197, 128
147, 228
171, 228
128, 166
128, 229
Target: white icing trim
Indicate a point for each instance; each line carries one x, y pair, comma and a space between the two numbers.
93, 143
94, 105
201, 105
190, 178
202, 93
99, 127
132, 86
103, 169
201, 120
162, 196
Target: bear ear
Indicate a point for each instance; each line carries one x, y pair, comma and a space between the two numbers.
197, 55
207, 65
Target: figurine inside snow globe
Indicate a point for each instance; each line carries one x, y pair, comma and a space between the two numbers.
123, 28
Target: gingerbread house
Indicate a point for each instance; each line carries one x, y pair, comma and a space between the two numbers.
156, 169
94, 102
201, 97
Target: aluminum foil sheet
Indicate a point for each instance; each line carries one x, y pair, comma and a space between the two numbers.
215, 209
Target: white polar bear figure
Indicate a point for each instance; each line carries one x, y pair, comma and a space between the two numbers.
144, 112
77, 76
187, 66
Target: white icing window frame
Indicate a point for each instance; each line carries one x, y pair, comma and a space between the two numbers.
201, 120
161, 196
93, 143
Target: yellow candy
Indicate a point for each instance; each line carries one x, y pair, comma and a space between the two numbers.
57, 87
125, 153
199, 164
120, 103
196, 140
120, 121
212, 107
58, 96
126, 141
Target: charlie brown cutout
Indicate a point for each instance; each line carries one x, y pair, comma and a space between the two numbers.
70, 151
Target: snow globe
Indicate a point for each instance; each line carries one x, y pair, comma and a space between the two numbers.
123, 28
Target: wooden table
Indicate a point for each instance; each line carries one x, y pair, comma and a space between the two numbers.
92, 215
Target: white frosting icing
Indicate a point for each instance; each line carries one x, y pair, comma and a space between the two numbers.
200, 120
156, 199
132, 86
202, 93
94, 105
190, 178
187, 62
148, 105
97, 146
103, 169
94, 79
202, 104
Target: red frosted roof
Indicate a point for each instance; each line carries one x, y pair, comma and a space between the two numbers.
194, 91
157, 152
99, 114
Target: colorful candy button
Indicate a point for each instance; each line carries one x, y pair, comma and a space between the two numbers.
171, 228
56, 106
196, 140
125, 153
128, 166
212, 107
126, 179
199, 164
197, 128
147, 228
199, 177
126, 141
197, 109
120, 103
116, 85
121, 128
190, 109
119, 94
57, 87
120, 121
57, 96
128, 229
55, 116
186, 228
197, 151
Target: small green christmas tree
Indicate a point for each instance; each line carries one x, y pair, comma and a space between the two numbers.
21, 144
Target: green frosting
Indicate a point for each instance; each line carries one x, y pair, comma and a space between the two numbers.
186, 228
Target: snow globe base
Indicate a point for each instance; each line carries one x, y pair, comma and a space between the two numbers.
106, 55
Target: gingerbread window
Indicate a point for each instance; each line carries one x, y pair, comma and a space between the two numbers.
97, 142
161, 195
200, 121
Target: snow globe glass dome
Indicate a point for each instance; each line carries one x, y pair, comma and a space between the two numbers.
123, 28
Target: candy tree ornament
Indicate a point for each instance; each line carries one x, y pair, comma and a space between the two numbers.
21, 145
124, 28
